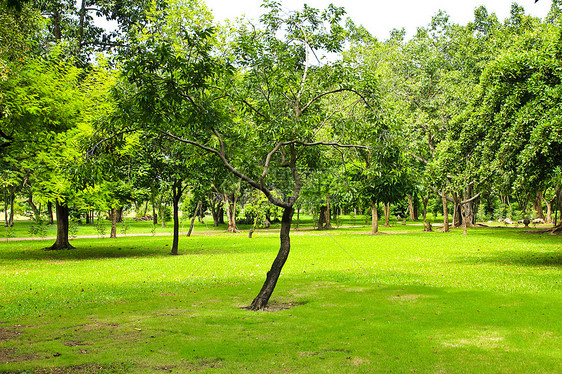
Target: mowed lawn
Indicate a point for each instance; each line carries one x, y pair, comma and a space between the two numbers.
489, 302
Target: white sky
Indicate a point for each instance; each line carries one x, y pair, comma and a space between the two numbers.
381, 16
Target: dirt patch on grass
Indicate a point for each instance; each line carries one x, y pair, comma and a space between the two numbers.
8, 355
278, 306
84, 369
358, 361
8, 334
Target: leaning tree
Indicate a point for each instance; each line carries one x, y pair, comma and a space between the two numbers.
254, 97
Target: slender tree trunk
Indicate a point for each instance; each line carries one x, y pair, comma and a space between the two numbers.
214, 213
162, 211
62, 227
298, 216
6, 223
176, 196
549, 205
537, 205
230, 207
328, 224
145, 208
33, 206
411, 208
113, 233
374, 218
386, 214
445, 213
154, 214
425, 201
273, 274
12, 198
464, 214
194, 216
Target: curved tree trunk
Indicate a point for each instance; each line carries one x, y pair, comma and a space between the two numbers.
262, 299
62, 228
194, 216
374, 218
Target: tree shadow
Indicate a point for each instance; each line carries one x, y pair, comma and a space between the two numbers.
519, 258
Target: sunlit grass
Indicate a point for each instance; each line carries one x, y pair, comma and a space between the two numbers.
415, 302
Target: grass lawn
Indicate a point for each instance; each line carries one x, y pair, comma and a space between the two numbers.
346, 302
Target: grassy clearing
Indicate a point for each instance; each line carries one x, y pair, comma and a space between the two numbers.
347, 302
22, 228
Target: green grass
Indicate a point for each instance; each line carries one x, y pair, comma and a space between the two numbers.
22, 228
489, 302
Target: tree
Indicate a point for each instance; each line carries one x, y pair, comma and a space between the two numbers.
268, 97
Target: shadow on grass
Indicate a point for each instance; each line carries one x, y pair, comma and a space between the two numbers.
519, 258
131, 247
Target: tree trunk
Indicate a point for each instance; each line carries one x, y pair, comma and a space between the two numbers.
537, 204
425, 201
298, 216
220, 215
214, 213
374, 218
120, 214
230, 207
322, 217
328, 224
386, 214
162, 211
411, 208
154, 214
33, 206
445, 213
12, 198
62, 227
6, 224
194, 216
113, 233
549, 205
177, 192
50, 212
262, 299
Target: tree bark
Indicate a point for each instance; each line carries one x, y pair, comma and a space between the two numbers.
374, 218
425, 201
537, 204
549, 204
177, 192
6, 223
322, 217
154, 214
62, 227
120, 214
113, 233
328, 224
411, 208
273, 274
193, 218
230, 208
386, 214
33, 206
12, 198
445, 213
